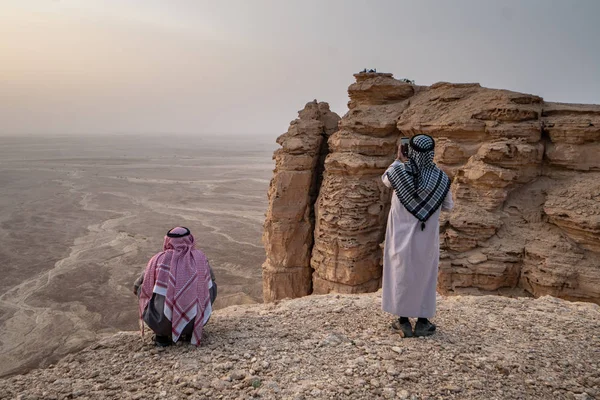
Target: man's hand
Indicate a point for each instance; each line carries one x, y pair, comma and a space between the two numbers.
399, 155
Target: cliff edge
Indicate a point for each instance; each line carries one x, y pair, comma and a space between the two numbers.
526, 184
341, 347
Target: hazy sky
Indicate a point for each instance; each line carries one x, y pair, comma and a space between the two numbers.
246, 66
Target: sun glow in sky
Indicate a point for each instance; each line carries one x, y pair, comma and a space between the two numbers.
245, 67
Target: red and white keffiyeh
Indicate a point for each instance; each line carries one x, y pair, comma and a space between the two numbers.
181, 274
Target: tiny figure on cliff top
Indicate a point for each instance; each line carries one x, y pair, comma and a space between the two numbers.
176, 291
412, 249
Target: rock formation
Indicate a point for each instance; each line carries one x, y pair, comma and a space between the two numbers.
351, 209
526, 183
288, 234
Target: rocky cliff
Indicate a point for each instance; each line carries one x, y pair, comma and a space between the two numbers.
341, 347
526, 182
288, 234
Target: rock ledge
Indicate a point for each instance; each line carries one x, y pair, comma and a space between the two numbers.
340, 347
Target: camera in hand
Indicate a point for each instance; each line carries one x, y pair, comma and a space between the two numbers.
404, 146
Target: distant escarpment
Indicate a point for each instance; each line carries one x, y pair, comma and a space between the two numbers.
526, 183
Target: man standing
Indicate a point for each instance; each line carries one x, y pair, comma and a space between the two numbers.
412, 244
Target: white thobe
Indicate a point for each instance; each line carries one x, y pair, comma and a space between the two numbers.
410, 260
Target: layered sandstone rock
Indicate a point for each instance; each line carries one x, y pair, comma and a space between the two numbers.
525, 185
507, 153
574, 131
289, 224
573, 205
351, 210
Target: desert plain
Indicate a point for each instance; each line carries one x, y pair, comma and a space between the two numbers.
81, 215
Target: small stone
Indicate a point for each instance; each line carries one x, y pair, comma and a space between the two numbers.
477, 258
224, 366
219, 384
476, 384
237, 375
253, 382
583, 396
396, 349
452, 389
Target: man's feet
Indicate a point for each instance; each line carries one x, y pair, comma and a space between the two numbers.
403, 328
424, 328
185, 338
162, 341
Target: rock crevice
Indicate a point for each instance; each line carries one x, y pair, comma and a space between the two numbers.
289, 226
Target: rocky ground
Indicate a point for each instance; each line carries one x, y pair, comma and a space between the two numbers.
341, 347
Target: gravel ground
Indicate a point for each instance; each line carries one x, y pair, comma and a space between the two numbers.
341, 347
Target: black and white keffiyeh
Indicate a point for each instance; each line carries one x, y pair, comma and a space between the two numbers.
419, 184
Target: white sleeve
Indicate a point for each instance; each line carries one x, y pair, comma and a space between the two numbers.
384, 177
448, 203
385, 180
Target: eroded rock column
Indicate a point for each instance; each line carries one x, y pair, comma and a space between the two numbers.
353, 202
289, 224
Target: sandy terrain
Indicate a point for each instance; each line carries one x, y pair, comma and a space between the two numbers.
80, 217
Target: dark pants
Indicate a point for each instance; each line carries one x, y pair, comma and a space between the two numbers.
156, 320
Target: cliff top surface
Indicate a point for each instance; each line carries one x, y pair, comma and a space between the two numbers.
341, 347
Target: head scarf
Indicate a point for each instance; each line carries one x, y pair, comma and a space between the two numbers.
419, 184
181, 274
